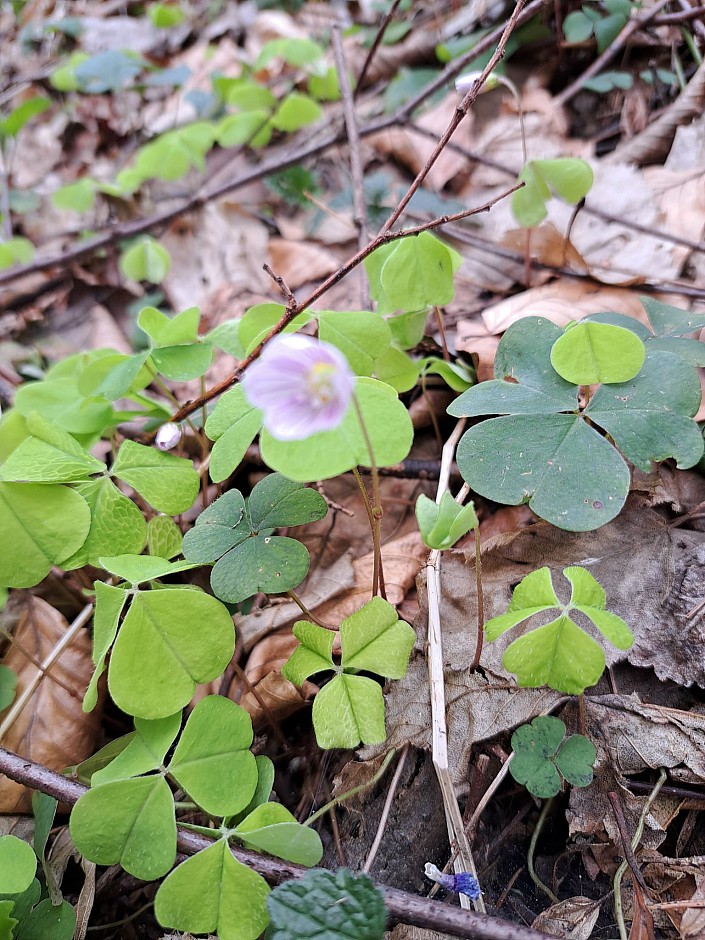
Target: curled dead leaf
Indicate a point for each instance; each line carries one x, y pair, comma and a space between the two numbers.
52, 729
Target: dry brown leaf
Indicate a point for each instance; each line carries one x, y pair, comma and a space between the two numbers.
573, 918
52, 729
565, 300
299, 263
411, 149
218, 245
642, 921
692, 925
274, 697
506, 519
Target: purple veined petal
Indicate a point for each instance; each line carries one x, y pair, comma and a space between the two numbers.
303, 386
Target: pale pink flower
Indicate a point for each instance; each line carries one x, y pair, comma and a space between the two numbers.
301, 384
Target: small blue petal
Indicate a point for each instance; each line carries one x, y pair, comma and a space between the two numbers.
464, 883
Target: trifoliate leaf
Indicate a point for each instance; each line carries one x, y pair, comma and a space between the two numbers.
559, 654
130, 822
214, 893
164, 537
418, 272
311, 906
276, 502
48, 455
145, 260
540, 753
575, 760
212, 761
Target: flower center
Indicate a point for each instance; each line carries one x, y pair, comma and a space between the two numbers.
320, 383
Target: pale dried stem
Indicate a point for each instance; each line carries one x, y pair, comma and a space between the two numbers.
374, 848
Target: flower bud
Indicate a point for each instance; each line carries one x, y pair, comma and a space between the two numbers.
168, 436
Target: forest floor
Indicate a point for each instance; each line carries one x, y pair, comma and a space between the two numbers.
252, 224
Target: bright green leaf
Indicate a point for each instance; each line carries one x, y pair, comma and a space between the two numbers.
167, 482
16, 250
232, 424
18, 863
418, 272
442, 525
347, 711
170, 640
109, 604
130, 822
374, 639
214, 893
145, 260
361, 336
48, 455
296, 111
313, 655
144, 752
135, 569
117, 525
19, 116
44, 525
271, 828
76, 197
212, 761
597, 352
164, 537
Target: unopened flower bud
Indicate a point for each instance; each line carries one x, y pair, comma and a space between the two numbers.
168, 436
464, 83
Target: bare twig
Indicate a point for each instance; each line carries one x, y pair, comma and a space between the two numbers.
376, 43
356, 169
382, 239
283, 287
283, 158
374, 848
401, 906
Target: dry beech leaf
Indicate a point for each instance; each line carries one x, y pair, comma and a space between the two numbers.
412, 149
692, 925
52, 729
506, 519
573, 918
220, 244
642, 920
299, 263
266, 686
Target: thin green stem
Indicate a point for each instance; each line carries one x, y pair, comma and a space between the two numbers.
480, 603
375, 509
532, 848
349, 793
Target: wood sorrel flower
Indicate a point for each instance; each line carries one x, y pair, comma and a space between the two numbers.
302, 385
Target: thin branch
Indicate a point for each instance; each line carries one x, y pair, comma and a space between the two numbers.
356, 168
282, 159
402, 907
376, 43
382, 239
458, 116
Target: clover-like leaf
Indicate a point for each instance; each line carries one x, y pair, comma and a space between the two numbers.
329, 453
443, 524
212, 892
592, 352
167, 482
169, 641
130, 822
667, 320
212, 761
109, 604
418, 272
233, 425
310, 906
48, 920
145, 260
176, 352
44, 525
559, 654
347, 711
272, 828
18, 864
136, 569
569, 178
540, 753
236, 534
